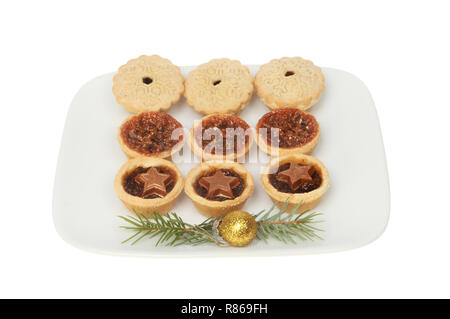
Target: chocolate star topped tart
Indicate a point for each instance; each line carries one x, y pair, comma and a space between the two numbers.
295, 179
287, 131
218, 187
154, 182
146, 185
222, 185
296, 176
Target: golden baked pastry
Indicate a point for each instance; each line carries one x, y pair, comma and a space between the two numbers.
296, 179
218, 187
152, 134
219, 86
289, 82
146, 185
219, 137
287, 131
148, 83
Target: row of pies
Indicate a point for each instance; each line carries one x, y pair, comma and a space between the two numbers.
219, 136
149, 182
152, 83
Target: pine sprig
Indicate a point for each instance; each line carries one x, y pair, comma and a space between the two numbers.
171, 230
287, 226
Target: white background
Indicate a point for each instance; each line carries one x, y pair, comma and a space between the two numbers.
399, 49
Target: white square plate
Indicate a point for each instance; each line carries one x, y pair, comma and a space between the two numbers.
355, 209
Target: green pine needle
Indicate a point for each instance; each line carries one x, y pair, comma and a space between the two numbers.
287, 226
171, 230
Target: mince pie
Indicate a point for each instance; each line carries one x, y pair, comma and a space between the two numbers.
287, 131
147, 185
151, 134
289, 82
219, 187
148, 83
220, 136
219, 86
297, 179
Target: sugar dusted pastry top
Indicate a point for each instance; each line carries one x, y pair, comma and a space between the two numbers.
148, 83
219, 86
289, 82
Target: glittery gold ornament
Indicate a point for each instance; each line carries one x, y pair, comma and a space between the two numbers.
238, 228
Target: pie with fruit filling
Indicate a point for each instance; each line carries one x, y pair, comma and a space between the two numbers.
220, 136
151, 182
146, 185
152, 134
289, 82
297, 179
218, 187
219, 86
287, 131
148, 83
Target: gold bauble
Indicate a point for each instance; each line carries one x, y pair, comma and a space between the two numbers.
238, 228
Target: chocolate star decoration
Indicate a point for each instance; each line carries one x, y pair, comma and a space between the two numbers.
154, 182
219, 185
295, 175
